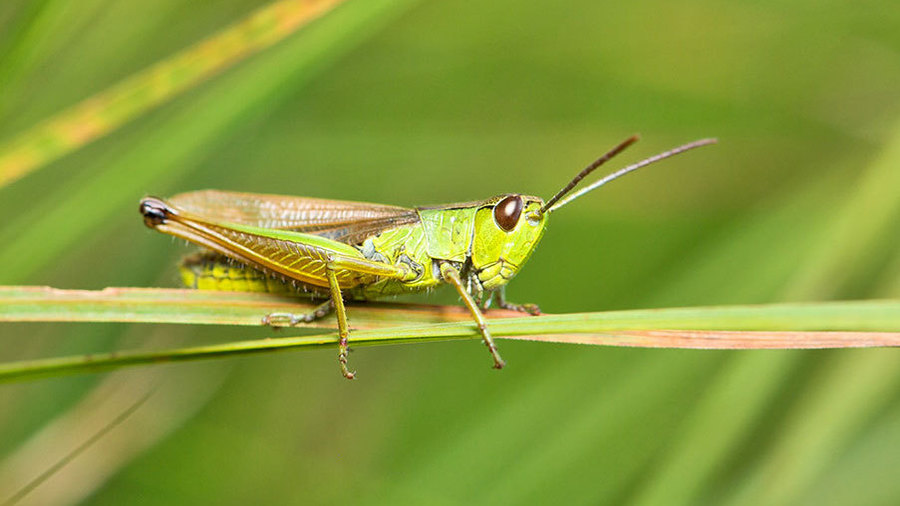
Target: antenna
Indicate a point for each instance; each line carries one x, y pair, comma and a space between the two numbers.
587, 170
555, 203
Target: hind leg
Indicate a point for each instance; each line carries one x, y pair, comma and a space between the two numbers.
291, 319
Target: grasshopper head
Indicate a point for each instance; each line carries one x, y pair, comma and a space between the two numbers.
507, 228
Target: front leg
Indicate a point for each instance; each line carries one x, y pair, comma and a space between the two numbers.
451, 275
531, 309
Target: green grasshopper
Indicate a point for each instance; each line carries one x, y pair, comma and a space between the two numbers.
336, 249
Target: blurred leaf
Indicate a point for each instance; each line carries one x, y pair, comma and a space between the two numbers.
864, 228
819, 428
840, 251
109, 109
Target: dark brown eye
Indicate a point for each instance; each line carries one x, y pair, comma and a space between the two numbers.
507, 211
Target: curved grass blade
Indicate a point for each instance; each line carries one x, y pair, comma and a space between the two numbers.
163, 305
33, 369
776, 326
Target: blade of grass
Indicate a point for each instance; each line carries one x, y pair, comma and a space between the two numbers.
150, 305
845, 324
104, 112
161, 305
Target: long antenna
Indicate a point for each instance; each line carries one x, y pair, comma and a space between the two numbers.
587, 170
619, 173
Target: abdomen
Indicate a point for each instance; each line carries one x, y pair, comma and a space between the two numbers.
211, 271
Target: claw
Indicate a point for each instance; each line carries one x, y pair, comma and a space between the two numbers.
532, 309
343, 355
280, 320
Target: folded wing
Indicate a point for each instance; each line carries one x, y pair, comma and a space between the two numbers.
338, 220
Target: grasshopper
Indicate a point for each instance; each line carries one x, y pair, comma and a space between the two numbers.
337, 249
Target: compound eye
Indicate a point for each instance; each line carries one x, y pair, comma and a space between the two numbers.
507, 212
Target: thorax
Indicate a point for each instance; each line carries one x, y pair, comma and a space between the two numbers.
439, 235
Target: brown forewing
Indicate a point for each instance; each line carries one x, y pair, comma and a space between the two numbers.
343, 221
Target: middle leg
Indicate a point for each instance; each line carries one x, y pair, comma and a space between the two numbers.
531, 309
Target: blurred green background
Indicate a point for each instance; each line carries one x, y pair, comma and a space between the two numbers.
410, 103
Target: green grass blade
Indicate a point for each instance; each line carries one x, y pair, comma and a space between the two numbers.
775, 326
150, 305
164, 305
